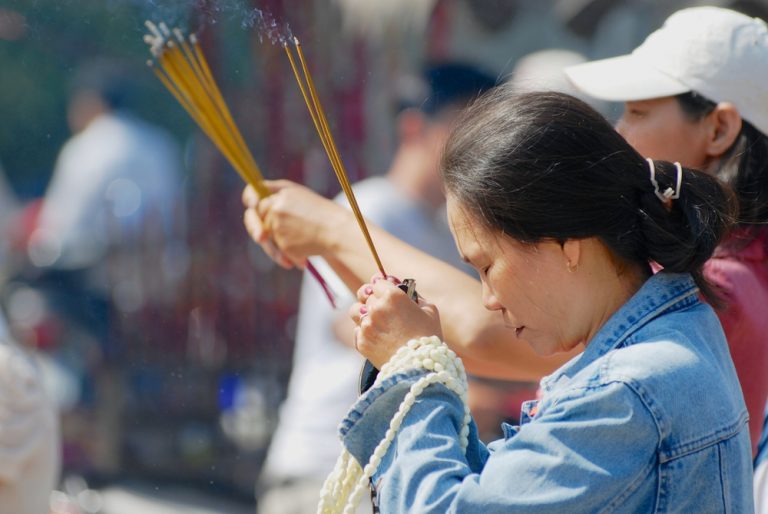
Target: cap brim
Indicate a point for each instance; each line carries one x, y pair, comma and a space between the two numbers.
623, 79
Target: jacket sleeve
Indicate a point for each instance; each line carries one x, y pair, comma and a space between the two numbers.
587, 452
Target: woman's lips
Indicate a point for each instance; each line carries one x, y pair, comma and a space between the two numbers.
517, 328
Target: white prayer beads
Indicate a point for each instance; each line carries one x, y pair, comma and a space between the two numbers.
348, 481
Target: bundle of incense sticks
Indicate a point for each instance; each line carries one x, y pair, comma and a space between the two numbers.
315, 108
180, 65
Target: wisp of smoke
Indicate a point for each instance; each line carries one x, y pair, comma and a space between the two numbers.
267, 26
210, 12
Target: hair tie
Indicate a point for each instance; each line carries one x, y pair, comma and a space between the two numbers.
669, 194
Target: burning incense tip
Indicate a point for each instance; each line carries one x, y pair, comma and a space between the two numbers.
153, 28
164, 28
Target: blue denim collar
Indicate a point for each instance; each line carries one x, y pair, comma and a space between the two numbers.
663, 292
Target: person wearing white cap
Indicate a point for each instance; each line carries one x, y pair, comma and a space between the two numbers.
696, 92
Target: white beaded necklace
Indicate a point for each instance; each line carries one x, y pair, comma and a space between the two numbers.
345, 485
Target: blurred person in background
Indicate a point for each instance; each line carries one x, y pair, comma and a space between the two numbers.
29, 432
30, 453
115, 188
695, 92
92, 252
406, 201
543, 70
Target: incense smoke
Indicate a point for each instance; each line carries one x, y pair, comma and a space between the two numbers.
267, 26
211, 12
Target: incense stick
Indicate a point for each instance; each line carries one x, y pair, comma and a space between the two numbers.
181, 67
316, 112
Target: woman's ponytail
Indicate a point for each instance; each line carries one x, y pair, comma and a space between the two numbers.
681, 233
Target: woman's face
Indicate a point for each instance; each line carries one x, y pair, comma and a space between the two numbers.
527, 283
659, 129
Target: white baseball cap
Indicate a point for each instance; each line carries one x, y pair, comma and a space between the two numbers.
718, 53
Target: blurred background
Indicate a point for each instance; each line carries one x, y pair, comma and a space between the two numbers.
164, 335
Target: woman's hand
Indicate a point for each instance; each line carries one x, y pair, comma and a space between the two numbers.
386, 319
289, 224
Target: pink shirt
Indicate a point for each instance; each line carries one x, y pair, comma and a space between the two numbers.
739, 269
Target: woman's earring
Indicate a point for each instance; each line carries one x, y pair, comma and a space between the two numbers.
572, 267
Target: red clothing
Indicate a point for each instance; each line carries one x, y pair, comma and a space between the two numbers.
739, 269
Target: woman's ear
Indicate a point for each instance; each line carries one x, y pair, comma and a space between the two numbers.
724, 126
572, 253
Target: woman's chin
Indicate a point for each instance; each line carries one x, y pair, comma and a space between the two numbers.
542, 348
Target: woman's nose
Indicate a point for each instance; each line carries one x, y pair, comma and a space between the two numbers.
490, 301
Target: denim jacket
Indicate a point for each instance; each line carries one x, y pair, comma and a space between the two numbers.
648, 419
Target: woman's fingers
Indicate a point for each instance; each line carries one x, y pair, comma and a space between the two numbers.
256, 220
254, 225
264, 208
249, 197
364, 292
278, 185
279, 257
357, 311
257, 230
389, 278
386, 318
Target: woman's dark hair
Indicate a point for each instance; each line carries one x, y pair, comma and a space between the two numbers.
540, 166
744, 167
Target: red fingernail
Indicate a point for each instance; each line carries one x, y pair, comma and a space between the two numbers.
363, 310
368, 290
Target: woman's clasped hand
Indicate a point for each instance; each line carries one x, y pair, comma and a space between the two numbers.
386, 318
